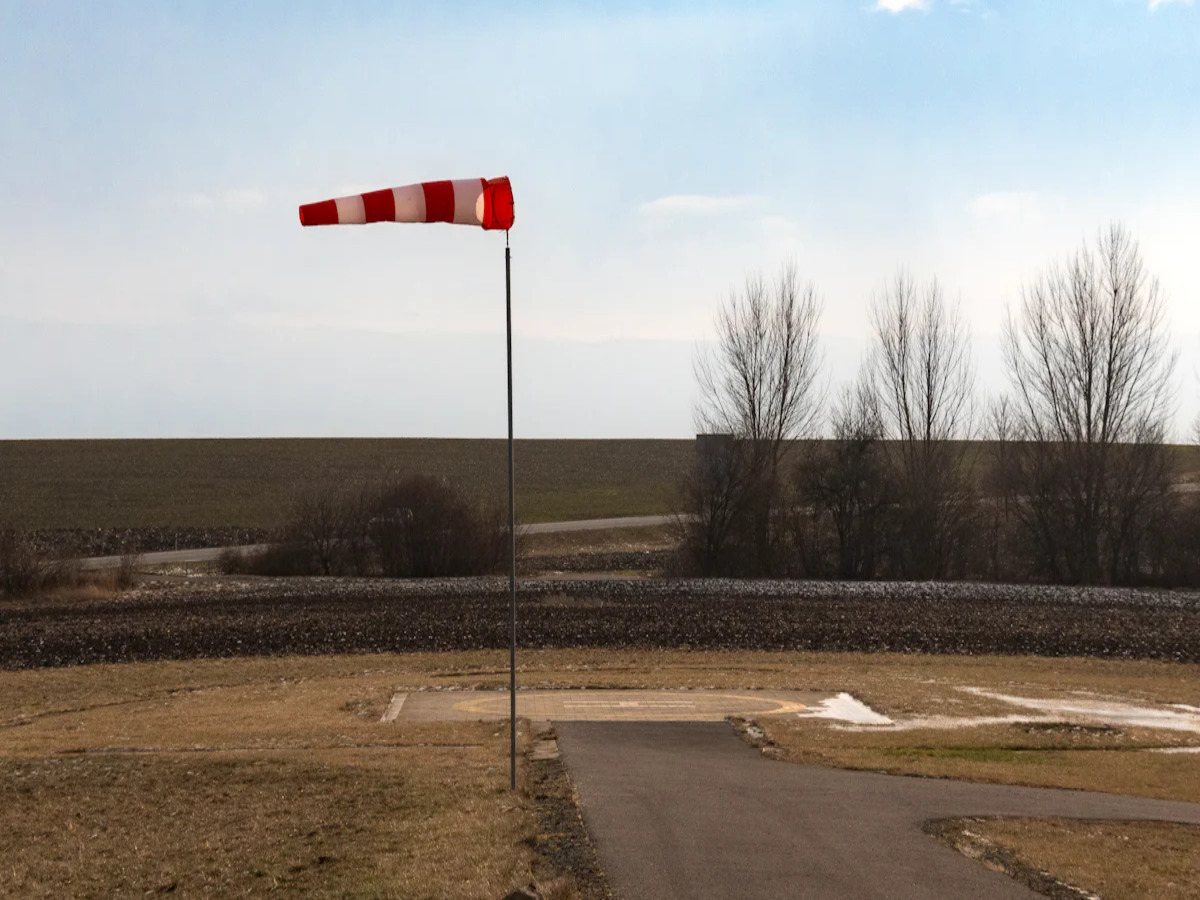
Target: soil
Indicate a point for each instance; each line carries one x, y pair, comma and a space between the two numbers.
215, 617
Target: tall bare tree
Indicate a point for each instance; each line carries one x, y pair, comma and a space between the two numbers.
758, 383
758, 386
1091, 369
923, 377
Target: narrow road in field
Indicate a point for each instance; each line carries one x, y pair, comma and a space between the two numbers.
686, 810
208, 554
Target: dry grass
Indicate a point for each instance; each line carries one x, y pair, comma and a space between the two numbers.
249, 776
256, 775
1096, 856
251, 483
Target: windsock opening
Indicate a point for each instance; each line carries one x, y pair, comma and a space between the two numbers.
498, 213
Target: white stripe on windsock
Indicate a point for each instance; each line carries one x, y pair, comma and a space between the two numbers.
410, 203
467, 193
351, 210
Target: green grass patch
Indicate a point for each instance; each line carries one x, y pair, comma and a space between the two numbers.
1003, 755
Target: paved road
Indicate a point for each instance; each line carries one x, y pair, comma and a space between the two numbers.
208, 554
684, 810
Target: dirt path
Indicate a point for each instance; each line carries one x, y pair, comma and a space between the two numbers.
689, 810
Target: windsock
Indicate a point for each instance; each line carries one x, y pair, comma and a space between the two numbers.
469, 201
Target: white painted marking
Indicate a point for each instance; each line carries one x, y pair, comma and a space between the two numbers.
394, 708
845, 708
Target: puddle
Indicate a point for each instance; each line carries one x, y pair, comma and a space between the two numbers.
1177, 717
845, 708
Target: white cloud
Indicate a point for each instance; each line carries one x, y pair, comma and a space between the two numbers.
1005, 204
899, 6
1155, 4
694, 205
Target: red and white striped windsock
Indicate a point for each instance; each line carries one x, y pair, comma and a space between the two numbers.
468, 201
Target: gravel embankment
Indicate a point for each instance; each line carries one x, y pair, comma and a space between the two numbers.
220, 618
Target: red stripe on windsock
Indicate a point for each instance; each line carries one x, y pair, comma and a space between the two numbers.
380, 206
439, 201
323, 213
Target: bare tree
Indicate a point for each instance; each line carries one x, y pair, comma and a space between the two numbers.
758, 387
843, 490
923, 377
1091, 368
758, 384
1001, 486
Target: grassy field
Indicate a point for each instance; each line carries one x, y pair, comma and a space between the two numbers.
255, 776
250, 483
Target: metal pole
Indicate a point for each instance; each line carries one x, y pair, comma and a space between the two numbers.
512, 534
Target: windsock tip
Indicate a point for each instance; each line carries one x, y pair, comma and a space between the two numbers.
323, 213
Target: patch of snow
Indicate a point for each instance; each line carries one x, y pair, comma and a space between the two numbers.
946, 723
1175, 749
1106, 711
845, 708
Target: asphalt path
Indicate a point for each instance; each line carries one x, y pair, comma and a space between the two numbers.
686, 810
209, 554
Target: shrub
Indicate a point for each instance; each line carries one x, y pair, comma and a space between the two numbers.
25, 570
415, 526
422, 527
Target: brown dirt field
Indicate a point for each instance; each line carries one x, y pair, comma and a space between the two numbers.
250, 483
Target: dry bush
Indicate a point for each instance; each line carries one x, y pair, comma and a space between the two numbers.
422, 527
20, 565
280, 559
25, 571
415, 526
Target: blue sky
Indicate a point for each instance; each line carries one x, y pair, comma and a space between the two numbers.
154, 156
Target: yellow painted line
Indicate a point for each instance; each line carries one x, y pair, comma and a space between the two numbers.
498, 703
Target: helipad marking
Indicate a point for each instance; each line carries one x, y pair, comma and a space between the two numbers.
394, 708
631, 704
708, 705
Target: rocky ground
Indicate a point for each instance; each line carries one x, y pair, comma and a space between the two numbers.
219, 617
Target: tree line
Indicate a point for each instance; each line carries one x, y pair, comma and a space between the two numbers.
1066, 477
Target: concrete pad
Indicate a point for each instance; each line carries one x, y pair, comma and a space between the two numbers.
603, 705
